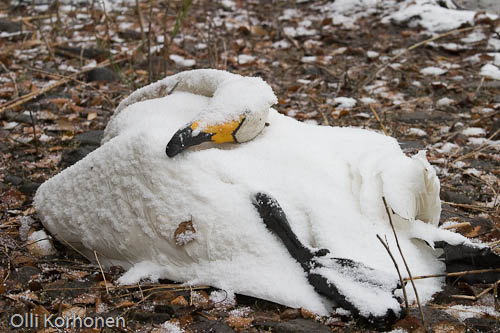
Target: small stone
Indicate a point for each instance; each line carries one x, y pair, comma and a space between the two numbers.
202, 324
90, 138
290, 314
9, 26
13, 179
102, 74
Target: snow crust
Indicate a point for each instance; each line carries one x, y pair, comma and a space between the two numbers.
126, 199
181, 61
344, 102
490, 71
463, 312
429, 15
474, 131
431, 70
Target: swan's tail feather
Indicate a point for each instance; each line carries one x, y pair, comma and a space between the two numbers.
411, 188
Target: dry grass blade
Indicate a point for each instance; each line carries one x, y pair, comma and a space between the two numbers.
457, 274
406, 264
397, 269
74, 248
378, 119
456, 226
483, 146
478, 296
102, 272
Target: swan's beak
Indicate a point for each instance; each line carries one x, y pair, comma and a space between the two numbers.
190, 136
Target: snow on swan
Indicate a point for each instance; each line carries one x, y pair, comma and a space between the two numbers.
289, 214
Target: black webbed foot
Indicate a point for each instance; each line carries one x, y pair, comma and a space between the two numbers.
335, 278
460, 258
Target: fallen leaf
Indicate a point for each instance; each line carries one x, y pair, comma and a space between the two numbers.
185, 233
239, 323
180, 300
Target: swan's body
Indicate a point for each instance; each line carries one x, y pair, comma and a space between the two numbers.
126, 199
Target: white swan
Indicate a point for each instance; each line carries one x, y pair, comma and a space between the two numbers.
127, 199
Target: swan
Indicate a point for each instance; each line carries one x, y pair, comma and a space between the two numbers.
199, 180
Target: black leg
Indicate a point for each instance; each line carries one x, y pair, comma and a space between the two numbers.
275, 219
459, 258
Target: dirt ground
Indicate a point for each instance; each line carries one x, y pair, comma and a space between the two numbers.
66, 65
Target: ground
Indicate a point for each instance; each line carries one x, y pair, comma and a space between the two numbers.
65, 65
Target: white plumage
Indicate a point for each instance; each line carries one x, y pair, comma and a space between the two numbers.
126, 199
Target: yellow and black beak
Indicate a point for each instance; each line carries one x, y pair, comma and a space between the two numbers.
219, 133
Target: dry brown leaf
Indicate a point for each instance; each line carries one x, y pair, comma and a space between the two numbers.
184, 234
60, 102
124, 304
11, 199
239, 323
306, 314
84, 298
474, 233
76, 310
92, 116
180, 300
64, 124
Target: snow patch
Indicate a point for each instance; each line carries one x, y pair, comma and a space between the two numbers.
490, 71
431, 70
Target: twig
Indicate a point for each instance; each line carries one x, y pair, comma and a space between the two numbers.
150, 65
473, 207
478, 88
458, 274
12, 78
8, 264
47, 45
141, 21
478, 296
397, 269
59, 237
483, 146
35, 140
406, 265
378, 119
166, 42
414, 46
140, 289
102, 272
60, 76
458, 225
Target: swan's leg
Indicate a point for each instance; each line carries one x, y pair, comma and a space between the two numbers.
275, 219
315, 263
459, 258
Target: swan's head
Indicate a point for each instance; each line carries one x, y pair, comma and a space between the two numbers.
236, 113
